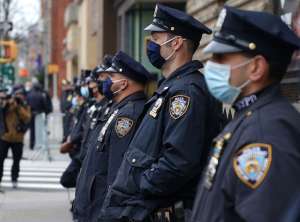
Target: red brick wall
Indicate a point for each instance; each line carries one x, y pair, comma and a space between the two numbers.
58, 34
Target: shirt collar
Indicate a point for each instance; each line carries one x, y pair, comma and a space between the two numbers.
186, 69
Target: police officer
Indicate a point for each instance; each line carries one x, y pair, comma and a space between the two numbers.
88, 121
65, 107
165, 158
125, 87
254, 168
83, 102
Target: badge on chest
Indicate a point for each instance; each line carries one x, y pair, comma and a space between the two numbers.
217, 151
123, 126
178, 106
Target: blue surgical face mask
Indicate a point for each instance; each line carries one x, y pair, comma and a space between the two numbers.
84, 91
153, 53
217, 77
107, 92
74, 101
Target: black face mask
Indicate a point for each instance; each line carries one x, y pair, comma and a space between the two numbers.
153, 53
91, 93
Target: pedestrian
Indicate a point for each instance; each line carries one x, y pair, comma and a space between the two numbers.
161, 168
125, 86
254, 167
16, 115
39, 102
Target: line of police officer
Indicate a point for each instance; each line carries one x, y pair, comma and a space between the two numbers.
142, 160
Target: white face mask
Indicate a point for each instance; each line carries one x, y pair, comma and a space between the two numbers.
217, 77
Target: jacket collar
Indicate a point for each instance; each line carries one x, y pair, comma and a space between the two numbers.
264, 97
186, 69
133, 97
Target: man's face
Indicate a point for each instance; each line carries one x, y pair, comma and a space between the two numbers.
103, 76
2, 95
160, 38
119, 82
239, 75
93, 86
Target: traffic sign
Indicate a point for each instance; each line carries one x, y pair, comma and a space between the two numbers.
53, 68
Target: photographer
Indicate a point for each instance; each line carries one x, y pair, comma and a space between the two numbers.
16, 115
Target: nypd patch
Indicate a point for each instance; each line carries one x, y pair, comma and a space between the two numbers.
251, 163
123, 126
178, 106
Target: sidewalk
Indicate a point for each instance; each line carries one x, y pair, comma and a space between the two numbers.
28, 206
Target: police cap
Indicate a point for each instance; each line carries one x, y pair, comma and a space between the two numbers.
127, 66
166, 19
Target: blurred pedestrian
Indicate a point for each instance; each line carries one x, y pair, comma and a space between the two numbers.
16, 115
40, 102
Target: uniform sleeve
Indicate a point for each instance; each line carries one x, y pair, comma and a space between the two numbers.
183, 144
77, 132
24, 113
262, 182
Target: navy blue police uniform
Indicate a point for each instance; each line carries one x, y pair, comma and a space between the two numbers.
69, 176
97, 116
86, 124
110, 141
167, 153
65, 108
254, 167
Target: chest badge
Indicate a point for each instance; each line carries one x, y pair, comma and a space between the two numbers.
217, 151
251, 163
178, 106
155, 109
123, 126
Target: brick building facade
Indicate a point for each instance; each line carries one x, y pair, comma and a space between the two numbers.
58, 34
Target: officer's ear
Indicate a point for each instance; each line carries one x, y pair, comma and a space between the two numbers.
124, 84
177, 43
258, 69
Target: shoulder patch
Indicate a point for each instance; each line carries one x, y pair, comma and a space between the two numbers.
179, 105
123, 126
252, 163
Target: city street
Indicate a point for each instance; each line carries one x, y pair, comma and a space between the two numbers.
157, 110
